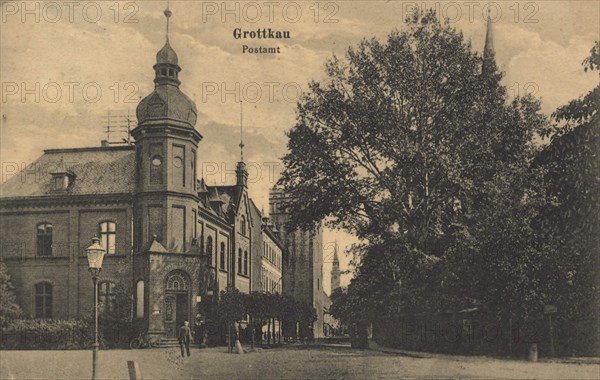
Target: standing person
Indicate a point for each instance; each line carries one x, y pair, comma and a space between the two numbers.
185, 337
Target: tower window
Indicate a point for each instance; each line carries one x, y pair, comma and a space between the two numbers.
108, 236
246, 263
178, 164
156, 164
193, 164
239, 261
44, 239
43, 300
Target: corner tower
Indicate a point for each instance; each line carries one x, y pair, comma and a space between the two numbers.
166, 147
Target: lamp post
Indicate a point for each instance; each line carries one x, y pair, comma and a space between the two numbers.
95, 255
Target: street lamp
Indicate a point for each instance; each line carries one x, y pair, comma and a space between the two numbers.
95, 255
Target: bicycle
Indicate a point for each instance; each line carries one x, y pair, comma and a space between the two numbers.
141, 341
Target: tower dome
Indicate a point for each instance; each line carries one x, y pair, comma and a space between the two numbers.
167, 101
167, 55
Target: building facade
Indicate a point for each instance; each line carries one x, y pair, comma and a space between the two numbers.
302, 269
172, 241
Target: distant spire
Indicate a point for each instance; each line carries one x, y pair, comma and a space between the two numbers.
168, 15
488, 50
336, 260
335, 269
241, 132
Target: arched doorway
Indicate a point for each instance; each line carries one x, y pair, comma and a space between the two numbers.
177, 301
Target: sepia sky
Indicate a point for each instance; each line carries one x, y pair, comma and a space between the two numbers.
65, 66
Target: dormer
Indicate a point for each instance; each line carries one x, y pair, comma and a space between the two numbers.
62, 180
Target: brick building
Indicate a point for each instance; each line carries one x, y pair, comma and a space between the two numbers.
302, 269
171, 240
269, 254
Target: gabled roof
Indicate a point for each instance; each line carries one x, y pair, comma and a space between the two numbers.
102, 170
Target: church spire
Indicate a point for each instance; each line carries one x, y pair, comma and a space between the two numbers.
488, 50
336, 260
489, 62
240, 170
335, 269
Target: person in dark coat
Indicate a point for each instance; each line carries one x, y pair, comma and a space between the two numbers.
185, 337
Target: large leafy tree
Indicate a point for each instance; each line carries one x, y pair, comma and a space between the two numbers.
570, 221
415, 148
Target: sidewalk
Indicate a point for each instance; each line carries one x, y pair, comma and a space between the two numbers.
417, 354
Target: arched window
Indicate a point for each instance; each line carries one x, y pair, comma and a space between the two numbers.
246, 263
222, 258
106, 296
44, 239
43, 300
243, 225
239, 268
108, 236
139, 310
177, 280
209, 250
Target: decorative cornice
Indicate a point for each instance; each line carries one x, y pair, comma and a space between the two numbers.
53, 200
160, 126
169, 193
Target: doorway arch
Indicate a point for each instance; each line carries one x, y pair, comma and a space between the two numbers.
177, 301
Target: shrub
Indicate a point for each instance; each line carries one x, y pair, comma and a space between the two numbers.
27, 334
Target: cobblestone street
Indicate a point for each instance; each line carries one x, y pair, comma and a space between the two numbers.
320, 362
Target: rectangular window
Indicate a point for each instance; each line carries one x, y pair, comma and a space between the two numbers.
155, 214
177, 240
195, 224
222, 257
140, 299
106, 297
194, 161
44, 239
108, 237
43, 300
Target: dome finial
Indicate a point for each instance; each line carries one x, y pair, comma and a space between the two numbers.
168, 15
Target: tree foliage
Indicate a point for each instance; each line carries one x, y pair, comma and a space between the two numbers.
416, 149
9, 308
569, 220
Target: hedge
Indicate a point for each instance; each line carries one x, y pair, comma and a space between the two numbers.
28, 334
